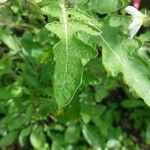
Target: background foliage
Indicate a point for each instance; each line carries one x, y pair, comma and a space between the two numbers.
76, 53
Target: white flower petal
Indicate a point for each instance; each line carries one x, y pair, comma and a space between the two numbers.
135, 26
133, 11
2, 1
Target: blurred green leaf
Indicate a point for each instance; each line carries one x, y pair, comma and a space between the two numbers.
24, 134
12, 91
58, 142
37, 138
12, 43
132, 103
148, 134
92, 136
72, 134
8, 139
52, 8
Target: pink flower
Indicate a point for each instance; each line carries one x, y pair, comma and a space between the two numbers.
137, 3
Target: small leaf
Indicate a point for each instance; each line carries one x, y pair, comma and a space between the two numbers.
37, 138
11, 91
58, 142
12, 42
24, 135
92, 136
8, 139
72, 134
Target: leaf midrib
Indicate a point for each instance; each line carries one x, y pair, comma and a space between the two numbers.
65, 23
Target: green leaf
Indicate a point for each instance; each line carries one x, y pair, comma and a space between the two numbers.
103, 90
56, 146
92, 136
8, 139
132, 103
144, 51
12, 42
57, 141
145, 37
24, 135
35, 10
52, 8
105, 6
89, 111
71, 55
148, 134
22, 119
120, 55
11, 91
5, 65
37, 138
72, 134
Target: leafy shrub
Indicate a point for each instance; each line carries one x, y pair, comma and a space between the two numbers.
71, 78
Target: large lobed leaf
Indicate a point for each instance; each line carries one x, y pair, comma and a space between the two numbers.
120, 55
71, 54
